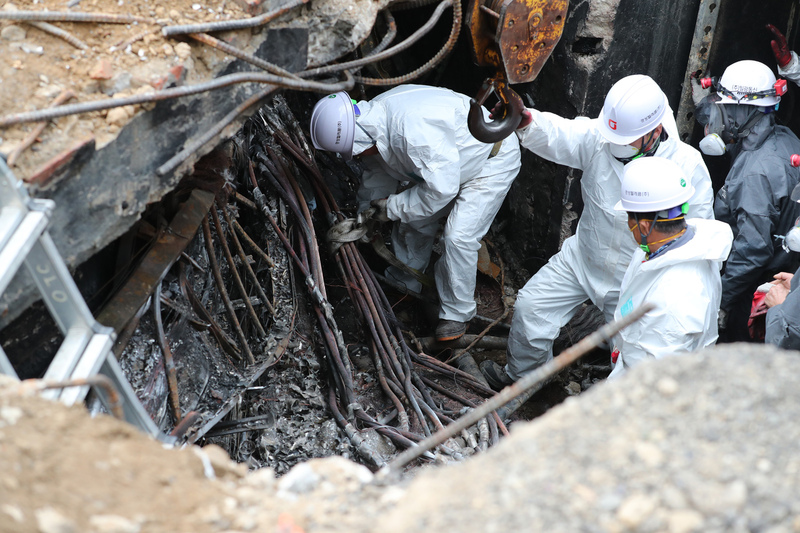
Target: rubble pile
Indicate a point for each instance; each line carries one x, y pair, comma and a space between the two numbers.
704, 442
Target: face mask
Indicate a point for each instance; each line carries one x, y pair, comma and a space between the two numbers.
712, 145
792, 240
623, 151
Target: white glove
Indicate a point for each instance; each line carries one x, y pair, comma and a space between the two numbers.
698, 93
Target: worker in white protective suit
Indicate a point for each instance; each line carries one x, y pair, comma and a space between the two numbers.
635, 122
422, 166
676, 268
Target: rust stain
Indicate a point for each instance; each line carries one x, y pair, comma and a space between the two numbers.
515, 36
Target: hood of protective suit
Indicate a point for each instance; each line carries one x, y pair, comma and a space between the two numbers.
366, 129
684, 286
758, 133
712, 242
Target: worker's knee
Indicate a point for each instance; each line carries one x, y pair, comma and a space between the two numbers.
460, 240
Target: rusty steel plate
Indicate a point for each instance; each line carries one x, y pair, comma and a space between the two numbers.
527, 33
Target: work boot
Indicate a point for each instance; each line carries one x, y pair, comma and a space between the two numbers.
450, 330
495, 375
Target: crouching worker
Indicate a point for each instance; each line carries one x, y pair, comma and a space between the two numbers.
676, 268
422, 167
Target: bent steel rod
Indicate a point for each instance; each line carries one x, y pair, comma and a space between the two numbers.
528, 381
175, 92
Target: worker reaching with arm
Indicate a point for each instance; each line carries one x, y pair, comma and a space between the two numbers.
755, 199
676, 267
415, 138
635, 122
788, 63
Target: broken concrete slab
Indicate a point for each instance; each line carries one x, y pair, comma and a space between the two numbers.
103, 176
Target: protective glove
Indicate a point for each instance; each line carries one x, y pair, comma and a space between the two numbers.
698, 93
497, 110
380, 214
722, 319
779, 47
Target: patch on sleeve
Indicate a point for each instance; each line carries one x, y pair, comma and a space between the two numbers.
626, 308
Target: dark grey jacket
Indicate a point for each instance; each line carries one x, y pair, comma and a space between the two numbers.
783, 321
755, 202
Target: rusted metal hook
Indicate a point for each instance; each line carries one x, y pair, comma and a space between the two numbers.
511, 106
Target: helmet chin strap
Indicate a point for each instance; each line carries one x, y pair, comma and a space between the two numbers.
672, 214
737, 132
642, 237
645, 152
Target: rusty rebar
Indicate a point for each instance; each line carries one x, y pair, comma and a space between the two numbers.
246, 264
478, 337
64, 96
448, 46
175, 92
526, 382
99, 381
405, 44
391, 33
212, 259
228, 345
122, 45
169, 363
60, 33
73, 16
241, 54
209, 133
232, 24
237, 279
251, 243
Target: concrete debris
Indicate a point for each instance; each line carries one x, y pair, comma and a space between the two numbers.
634, 455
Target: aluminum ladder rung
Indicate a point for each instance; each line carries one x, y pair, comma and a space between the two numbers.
69, 353
5, 365
86, 349
19, 244
10, 218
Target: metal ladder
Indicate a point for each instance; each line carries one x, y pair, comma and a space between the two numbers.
86, 349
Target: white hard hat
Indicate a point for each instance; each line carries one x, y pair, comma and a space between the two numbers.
742, 79
333, 124
633, 107
651, 184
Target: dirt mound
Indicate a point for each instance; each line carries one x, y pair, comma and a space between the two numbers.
116, 60
705, 442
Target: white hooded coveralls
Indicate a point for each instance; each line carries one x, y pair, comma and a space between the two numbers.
685, 286
422, 137
592, 262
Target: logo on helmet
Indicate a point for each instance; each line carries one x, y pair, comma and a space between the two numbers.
683, 182
338, 132
612, 124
